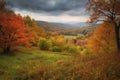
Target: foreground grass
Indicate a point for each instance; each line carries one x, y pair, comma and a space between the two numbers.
32, 64
26, 56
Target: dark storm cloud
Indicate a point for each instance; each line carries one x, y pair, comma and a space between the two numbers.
51, 7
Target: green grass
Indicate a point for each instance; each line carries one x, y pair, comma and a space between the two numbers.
33, 64
9, 63
70, 36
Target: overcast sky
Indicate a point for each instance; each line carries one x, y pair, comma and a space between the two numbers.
51, 10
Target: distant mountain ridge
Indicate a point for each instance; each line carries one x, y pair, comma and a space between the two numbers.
80, 24
66, 28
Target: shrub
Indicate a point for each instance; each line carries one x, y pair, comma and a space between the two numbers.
84, 51
44, 44
57, 49
71, 49
58, 40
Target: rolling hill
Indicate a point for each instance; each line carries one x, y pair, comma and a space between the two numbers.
67, 28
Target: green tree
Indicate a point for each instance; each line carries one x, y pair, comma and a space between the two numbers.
29, 22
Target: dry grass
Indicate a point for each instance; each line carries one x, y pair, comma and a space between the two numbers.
90, 67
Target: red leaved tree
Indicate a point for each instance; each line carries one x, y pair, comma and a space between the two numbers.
13, 32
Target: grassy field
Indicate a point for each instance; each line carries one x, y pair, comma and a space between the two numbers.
70, 36
26, 56
33, 64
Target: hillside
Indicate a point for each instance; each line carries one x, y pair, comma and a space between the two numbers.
44, 65
67, 28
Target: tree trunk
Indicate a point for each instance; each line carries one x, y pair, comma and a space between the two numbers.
117, 37
6, 50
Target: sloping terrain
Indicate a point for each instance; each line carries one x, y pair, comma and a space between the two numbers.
66, 28
33, 64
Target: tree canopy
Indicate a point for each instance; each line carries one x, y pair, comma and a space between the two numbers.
103, 39
106, 11
13, 31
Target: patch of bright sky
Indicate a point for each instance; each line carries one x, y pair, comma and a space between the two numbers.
50, 18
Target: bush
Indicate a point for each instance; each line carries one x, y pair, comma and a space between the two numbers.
71, 49
84, 51
58, 40
57, 49
44, 44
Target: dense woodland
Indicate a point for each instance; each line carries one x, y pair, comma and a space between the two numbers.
38, 50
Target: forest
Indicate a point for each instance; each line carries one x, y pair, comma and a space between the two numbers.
41, 50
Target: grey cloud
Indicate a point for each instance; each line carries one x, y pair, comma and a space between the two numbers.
50, 7
77, 12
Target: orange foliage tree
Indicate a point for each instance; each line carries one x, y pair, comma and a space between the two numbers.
13, 32
106, 10
103, 39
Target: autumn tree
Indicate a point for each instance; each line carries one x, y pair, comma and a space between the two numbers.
40, 32
3, 7
106, 11
103, 39
30, 22
13, 32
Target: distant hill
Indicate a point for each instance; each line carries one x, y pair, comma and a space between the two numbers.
51, 26
65, 28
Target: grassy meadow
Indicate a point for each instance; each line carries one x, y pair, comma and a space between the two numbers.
70, 36
26, 57
33, 64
